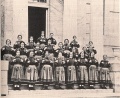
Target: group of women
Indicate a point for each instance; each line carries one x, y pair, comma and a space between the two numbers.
65, 66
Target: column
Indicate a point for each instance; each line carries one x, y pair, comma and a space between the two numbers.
70, 19
115, 64
4, 77
20, 19
97, 26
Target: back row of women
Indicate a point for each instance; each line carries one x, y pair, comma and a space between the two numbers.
41, 62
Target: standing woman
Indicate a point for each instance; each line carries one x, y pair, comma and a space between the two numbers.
42, 40
71, 71
7, 51
105, 72
31, 44
67, 48
93, 66
23, 51
60, 71
82, 73
47, 70
31, 74
17, 72
74, 43
7, 54
17, 43
59, 49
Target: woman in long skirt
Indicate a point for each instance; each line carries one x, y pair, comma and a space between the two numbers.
93, 73
71, 71
47, 70
7, 54
17, 72
82, 70
105, 72
31, 74
60, 70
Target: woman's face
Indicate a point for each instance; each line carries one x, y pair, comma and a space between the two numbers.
90, 43
92, 54
37, 45
31, 38
22, 45
18, 53
82, 55
8, 42
42, 34
31, 54
66, 41
60, 45
19, 38
105, 57
49, 41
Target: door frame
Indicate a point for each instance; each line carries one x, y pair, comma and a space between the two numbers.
47, 15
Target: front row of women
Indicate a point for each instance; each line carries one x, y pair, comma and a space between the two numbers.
61, 71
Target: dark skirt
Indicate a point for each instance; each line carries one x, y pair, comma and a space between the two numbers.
82, 74
17, 73
46, 73
60, 75
93, 74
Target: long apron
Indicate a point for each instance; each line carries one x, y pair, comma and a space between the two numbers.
71, 71
31, 73
60, 74
105, 75
17, 73
93, 75
46, 73
82, 74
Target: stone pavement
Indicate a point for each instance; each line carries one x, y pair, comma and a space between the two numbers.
78, 93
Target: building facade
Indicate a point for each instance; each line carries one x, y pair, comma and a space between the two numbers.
95, 20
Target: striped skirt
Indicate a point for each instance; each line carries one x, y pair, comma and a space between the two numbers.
31, 73
46, 73
105, 75
93, 74
17, 73
71, 74
60, 74
82, 74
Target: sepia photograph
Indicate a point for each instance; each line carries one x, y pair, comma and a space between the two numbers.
60, 48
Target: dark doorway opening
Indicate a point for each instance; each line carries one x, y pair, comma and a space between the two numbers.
36, 21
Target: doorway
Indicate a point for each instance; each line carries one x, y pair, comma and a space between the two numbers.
36, 21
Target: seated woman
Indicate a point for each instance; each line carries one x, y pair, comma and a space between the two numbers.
46, 74
42, 40
71, 71
17, 43
49, 48
7, 51
31, 44
90, 48
60, 71
31, 74
75, 53
82, 72
17, 72
60, 49
93, 66
74, 43
105, 72
53, 41
67, 48
23, 51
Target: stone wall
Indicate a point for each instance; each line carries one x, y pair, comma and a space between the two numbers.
56, 19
